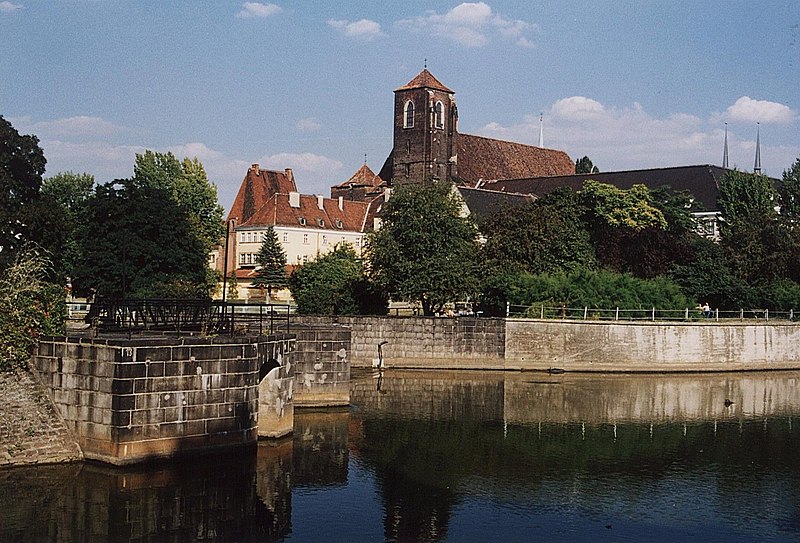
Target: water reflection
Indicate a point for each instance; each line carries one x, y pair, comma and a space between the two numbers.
458, 456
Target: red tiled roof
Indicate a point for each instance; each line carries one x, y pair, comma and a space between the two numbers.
257, 187
424, 80
364, 177
278, 211
488, 159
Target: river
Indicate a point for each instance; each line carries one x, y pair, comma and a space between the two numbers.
462, 456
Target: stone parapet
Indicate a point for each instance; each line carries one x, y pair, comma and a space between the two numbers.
322, 365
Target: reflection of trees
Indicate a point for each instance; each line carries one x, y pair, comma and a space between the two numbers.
424, 467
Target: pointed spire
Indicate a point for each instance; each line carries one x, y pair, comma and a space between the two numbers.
725, 150
757, 165
541, 130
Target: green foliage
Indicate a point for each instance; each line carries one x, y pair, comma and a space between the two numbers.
790, 192
616, 207
425, 251
22, 164
537, 238
30, 306
584, 165
335, 284
271, 260
744, 198
233, 287
137, 242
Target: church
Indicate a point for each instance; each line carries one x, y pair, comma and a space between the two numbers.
427, 148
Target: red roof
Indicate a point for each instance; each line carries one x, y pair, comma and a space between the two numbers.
278, 211
489, 159
425, 80
364, 177
257, 187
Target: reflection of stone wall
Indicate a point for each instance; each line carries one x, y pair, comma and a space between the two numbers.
430, 394
465, 343
274, 485
127, 400
321, 447
322, 365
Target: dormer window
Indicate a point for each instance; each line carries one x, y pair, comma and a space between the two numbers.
439, 115
339, 223
320, 223
302, 221
408, 115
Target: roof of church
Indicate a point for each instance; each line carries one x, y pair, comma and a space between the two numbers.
482, 158
363, 177
257, 187
424, 80
701, 181
278, 211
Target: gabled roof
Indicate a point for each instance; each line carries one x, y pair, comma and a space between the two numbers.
482, 202
701, 181
364, 177
424, 80
485, 158
257, 187
278, 211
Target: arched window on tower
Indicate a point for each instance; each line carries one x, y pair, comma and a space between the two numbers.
439, 115
408, 115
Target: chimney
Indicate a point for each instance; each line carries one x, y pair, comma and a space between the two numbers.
290, 177
321, 201
294, 199
387, 193
341, 203
254, 167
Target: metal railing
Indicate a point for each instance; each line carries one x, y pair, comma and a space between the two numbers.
187, 316
563, 312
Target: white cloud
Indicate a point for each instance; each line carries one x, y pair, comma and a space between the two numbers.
624, 138
746, 109
257, 9
363, 29
470, 25
8, 7
302, 162
308, 125
80, 126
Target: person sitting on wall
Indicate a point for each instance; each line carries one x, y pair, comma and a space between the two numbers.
706, 310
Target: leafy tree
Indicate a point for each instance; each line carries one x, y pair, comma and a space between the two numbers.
584, 165
136, 241
30, 306
233, 286
271, 261
424, 250
70, 192
790, 192
335, 284
22, 164
187, 184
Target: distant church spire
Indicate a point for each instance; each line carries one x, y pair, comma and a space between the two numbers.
541, 130
725, 150
757, 165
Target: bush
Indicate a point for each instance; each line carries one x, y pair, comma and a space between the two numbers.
30, 307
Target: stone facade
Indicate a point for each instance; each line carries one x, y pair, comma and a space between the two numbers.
131, 400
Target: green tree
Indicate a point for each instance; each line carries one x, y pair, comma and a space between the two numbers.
335, 284
187, 184
271, 261
790, 192
30, 306
425, 250
233, 286
137, 241
22, 164
584, 165
70, 192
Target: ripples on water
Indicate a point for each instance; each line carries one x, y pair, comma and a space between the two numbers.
462, 457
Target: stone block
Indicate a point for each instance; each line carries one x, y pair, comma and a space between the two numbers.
121, 386
129, 370
123, 401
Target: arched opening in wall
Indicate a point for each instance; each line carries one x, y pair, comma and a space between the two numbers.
408, 115
267, 367
439, 115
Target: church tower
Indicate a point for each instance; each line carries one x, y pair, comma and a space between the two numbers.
425, 132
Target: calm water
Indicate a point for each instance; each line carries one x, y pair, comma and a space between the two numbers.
427, 456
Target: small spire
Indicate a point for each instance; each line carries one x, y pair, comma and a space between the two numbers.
725, 150
757, 165
365, 158
541, 129
425, 64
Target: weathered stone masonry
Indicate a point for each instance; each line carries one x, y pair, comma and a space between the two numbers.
130, 400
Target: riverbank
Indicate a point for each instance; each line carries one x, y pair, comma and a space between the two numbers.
31, 432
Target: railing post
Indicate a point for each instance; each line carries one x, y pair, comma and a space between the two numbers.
585, 312
716, 311
508, 308
616, 314
541, 313
766, 314
260, 320
654, 313
741, 313
791, 314
686, 318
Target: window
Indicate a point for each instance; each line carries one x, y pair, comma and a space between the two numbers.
408, 147
305, 239
408, 170
320, 222
241, 258
324, 240
285, 237
241, 237
439, 115
339, 223
305, 259
302, 220
408, 115
358, 242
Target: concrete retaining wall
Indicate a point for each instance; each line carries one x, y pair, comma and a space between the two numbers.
129, 400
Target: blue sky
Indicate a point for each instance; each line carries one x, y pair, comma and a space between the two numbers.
308, 85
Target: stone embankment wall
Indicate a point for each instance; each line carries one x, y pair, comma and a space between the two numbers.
530, 344
322, 365
422, 342
127, 400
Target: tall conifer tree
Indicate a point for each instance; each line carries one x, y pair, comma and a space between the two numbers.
271, 260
